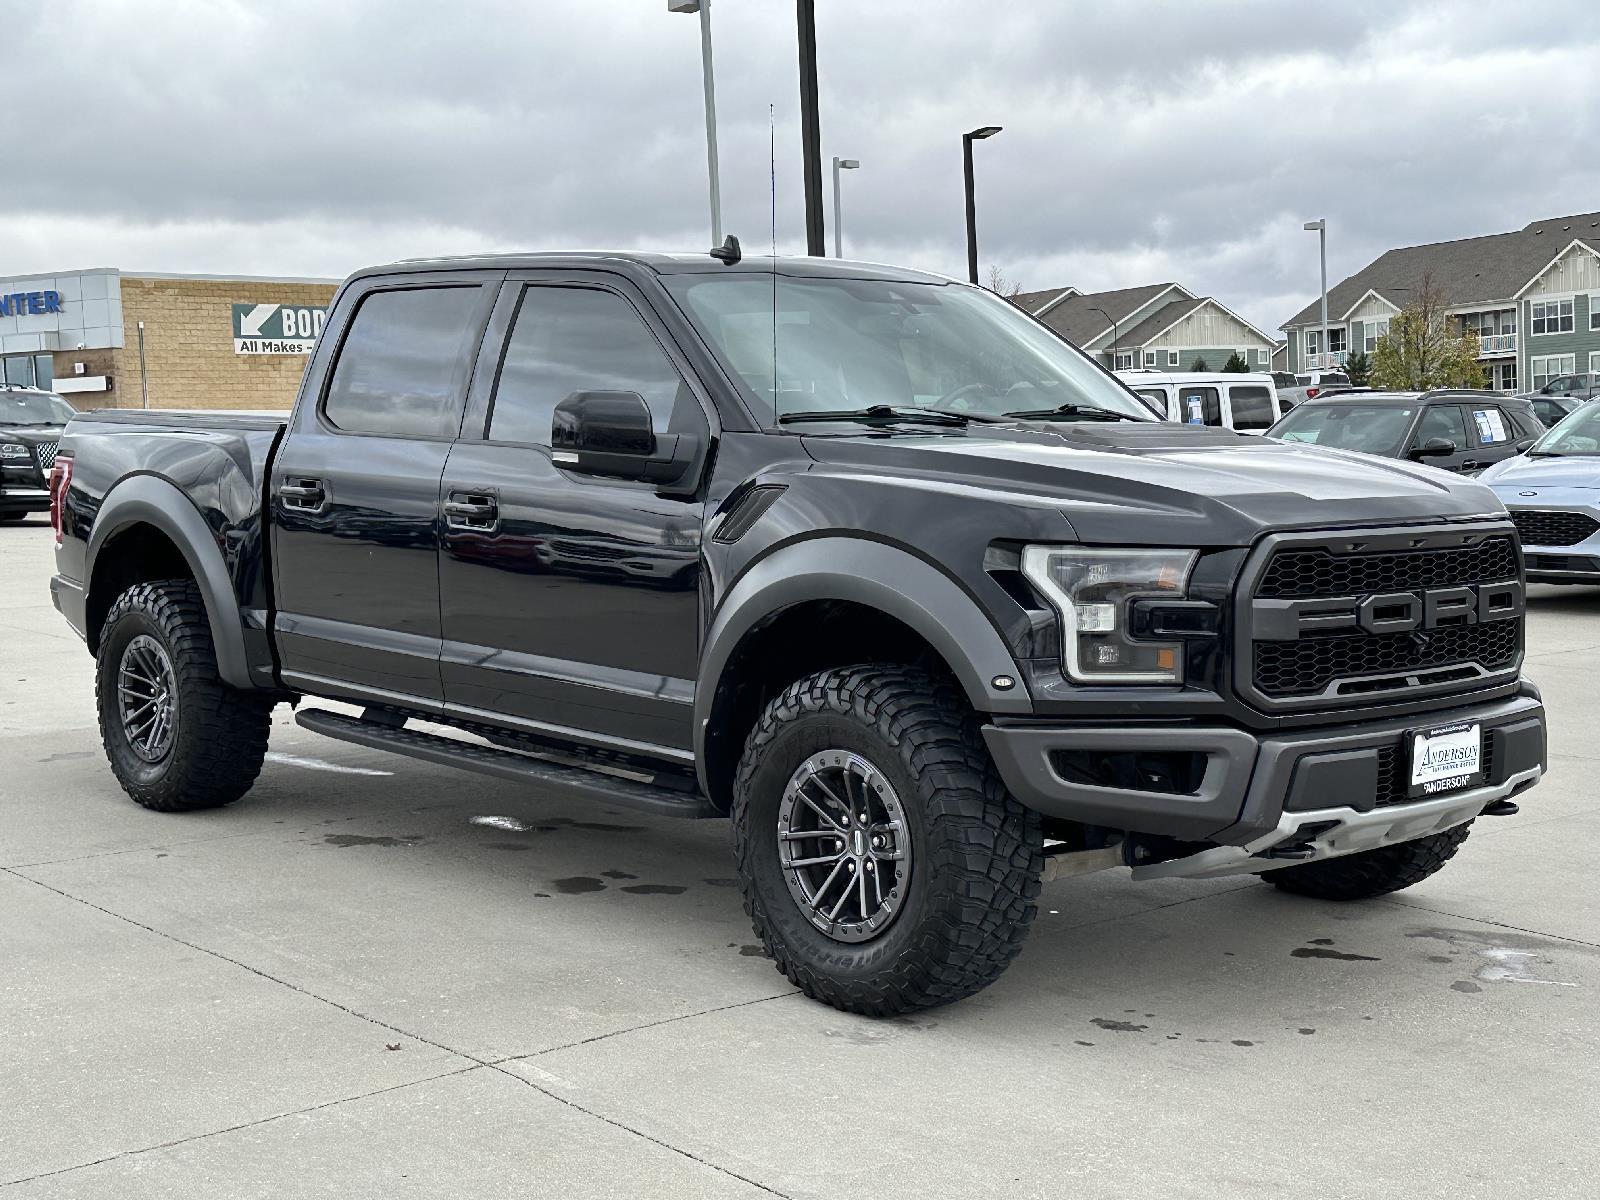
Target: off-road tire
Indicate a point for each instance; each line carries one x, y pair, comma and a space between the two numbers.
220, 735
977, 854
1370, 873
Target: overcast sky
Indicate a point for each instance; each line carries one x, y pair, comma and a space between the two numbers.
1143, 141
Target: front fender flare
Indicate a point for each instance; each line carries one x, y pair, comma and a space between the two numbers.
879, 576
151, 500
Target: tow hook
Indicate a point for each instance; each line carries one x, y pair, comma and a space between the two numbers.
1501, 808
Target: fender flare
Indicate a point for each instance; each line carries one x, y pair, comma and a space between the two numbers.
879, 576
151, 500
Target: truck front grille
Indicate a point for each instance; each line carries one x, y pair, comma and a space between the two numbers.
1346, 618
46, 454
1552, 527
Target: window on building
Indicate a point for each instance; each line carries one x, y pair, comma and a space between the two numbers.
569, 340
1594, 311
1552, 316
403, 365
1149, 358
1594, 362
19, 370
1172, 358
1125, 360
1263, 357
1371, 332
1544, 368
1337, 336
1313, 341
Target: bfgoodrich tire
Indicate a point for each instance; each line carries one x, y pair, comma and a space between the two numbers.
1372, 873
940, 865
177, 737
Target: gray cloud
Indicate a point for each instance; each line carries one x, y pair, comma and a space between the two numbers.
1142, 140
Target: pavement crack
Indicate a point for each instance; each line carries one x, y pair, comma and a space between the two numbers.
1439, 912
211, 1133
601, 1037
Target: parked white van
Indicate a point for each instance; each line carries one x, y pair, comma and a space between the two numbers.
1241, 400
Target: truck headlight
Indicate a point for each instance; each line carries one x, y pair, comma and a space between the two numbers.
1091, 590
13, 450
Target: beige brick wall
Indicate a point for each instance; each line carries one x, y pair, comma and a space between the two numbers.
188, 339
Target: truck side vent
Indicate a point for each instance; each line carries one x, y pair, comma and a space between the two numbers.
739, 519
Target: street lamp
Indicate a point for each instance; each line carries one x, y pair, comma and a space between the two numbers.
977, 135
703, 7
1321, 226
1113, 321
839, 164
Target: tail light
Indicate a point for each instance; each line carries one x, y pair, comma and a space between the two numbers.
1311, 393
60, 481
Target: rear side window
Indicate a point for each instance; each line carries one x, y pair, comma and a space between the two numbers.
1252, 407
569, 340
1199, 406
1490, 424
403, 365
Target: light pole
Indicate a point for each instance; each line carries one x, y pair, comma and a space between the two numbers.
1321, 226
805, 16
703, 7
839, 164
977, 135
1113, 321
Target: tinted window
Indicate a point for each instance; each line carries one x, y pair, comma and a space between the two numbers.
1443, 421
1156, 398
569, 340
1199, 406
1374, 428
403, 363
1252, 407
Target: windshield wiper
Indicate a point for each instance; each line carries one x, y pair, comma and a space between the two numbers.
1547, 454
885, 414
1090, 411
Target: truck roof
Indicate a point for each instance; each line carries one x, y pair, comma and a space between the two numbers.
661, 264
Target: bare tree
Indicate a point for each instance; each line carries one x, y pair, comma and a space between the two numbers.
1003, 287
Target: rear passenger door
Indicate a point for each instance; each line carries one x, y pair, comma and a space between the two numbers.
1494, 435
1199, 405
1250, 407
355, 488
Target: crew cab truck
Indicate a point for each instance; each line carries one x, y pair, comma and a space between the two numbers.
867, 561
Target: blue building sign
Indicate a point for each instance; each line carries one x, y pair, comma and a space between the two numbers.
30, 304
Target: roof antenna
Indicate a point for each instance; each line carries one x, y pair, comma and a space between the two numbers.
728, 253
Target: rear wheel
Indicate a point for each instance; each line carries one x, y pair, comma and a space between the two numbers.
883, 863
177, 737
1370, 873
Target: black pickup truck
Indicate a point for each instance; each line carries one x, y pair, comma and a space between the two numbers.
866, 560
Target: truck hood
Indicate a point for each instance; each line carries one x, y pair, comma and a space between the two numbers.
1165, 483
31, 434
1578, 471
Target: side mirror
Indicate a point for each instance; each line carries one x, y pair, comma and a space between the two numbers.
610, 433
1434, 448
1525, 445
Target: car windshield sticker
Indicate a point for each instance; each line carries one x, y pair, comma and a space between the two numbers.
1491, 427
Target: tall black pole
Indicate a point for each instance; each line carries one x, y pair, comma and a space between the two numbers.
811, 127
972, 210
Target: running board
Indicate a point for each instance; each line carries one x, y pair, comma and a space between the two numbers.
595, 786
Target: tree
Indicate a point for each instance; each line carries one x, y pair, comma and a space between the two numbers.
1003, 287
1421, 352
1235, 363
1359, 367
1199, 364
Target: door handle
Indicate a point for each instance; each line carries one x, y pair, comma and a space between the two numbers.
1472, 464
304, 494
477, 511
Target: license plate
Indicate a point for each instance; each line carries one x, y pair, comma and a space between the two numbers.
1446, 758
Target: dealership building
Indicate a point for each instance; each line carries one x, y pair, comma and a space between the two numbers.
108, 339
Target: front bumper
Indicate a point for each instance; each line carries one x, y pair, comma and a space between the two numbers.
1571, 562
1255, 792
15, 498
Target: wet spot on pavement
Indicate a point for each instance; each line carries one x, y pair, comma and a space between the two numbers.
1307, 1031
1324, 952
654, 889
64, 755
1465, 985
618, 875
752, 951
1440, 958
356, 839
507, 846
1322, 941
1118, 1026
574, 885
591, 826
1083, 1043
720, 882
1242, 1042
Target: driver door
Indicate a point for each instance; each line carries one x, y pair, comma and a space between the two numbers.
1448, 422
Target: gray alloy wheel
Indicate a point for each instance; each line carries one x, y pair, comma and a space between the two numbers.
844, 845
147, 698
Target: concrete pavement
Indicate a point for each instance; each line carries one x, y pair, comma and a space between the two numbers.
375, 978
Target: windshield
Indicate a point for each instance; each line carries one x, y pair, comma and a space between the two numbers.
844, 345
1373, 428
34, 408
1576, 433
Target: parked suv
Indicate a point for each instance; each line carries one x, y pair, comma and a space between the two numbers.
31, 422
867, 561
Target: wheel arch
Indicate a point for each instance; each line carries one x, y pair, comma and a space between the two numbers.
143, 530
891, 606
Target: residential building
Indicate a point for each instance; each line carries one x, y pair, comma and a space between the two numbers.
1532, 297
1163, 326
106, 339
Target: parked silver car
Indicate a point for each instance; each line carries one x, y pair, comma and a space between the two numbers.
1553, 493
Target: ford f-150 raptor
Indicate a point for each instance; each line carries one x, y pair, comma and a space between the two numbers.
867, 560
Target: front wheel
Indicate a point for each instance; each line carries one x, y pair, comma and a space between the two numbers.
1369, 873
177, 737
883, 863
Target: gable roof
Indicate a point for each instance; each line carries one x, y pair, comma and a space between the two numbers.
1037, 302
1565, 250
1075, 320
1158, 322
1468, 271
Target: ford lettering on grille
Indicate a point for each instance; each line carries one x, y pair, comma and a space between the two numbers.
1388, 612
